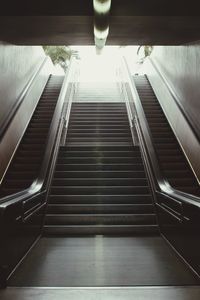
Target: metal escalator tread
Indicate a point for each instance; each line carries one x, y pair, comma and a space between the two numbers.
170, 155
99, 184
26, 163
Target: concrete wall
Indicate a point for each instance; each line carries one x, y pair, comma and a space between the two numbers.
17, 65
180, 67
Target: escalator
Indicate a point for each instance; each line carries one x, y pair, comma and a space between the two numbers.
101, 225
26, 163
172, 160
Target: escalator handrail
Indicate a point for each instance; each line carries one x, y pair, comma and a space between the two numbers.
39, 185
162, 185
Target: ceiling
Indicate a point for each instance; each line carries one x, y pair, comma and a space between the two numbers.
132, 22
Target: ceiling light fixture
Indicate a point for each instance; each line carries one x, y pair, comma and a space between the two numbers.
102, 6
101, 23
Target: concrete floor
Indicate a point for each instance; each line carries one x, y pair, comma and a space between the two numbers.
102, 261
137, 293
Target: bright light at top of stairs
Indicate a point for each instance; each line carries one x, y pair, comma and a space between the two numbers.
102, 6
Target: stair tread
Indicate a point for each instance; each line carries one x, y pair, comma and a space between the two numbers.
98, 225
99, 205
103, 215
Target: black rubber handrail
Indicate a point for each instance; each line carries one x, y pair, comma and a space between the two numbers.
39, 185
9, 117
161, 183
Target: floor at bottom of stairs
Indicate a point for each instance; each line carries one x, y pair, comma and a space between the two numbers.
101, 261
127, 293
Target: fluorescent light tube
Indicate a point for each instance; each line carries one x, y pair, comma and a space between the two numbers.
102, 6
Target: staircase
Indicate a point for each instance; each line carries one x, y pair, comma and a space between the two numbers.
99, 184
169, 153
98, 92
27, 161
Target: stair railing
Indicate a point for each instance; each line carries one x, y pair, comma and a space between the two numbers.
125, 92
167, 198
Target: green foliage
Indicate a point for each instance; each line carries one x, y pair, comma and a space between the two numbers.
147, 50
60, 55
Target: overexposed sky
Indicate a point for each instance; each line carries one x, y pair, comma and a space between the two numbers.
95, 67
102, 67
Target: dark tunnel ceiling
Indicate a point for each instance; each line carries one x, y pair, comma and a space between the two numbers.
85, 7
132, 22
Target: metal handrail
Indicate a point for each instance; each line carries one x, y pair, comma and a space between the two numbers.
39, 185
161, 183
